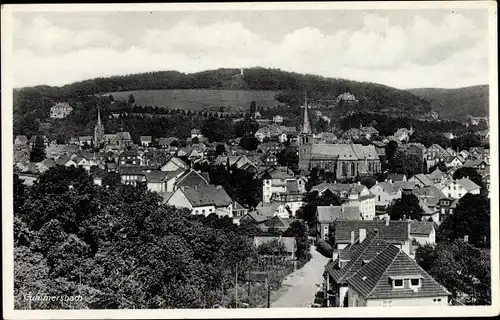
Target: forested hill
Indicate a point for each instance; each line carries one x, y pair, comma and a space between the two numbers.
457, 103
290, 87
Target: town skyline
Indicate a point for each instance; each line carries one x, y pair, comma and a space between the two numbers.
57, 48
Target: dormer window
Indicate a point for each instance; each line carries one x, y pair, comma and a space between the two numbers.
415, 282
397, 283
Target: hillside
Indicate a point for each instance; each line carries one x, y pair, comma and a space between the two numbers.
290, 87
457, 103
199, 99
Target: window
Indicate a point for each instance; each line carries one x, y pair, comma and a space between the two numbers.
415, 282
196, 211
203, 211
398, 283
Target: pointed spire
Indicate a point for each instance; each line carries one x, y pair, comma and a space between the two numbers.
306, 127
99, 117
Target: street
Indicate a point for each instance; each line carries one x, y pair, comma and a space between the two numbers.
299, 288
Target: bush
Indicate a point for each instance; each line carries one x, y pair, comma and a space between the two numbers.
324, 248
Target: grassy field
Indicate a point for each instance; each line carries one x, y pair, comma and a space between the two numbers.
199, 99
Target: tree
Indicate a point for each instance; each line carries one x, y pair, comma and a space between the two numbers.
462, 269
470, 218
174, 143
408, 164
245, 127
288, 157
407, 207
249, 143
217, 130
390, 150
37, 154
321, 125
298, 230
252, 108
311, 202
131, 99
472, 174
195, 140
220, 149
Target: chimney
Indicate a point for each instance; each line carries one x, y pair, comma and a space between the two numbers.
362, 235
387, 222
466, 239
404, 217
352, 237
335, 254
359, 182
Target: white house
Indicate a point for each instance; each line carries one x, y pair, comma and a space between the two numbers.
385, 193
456, 189
60, 110
173, 164
203, 200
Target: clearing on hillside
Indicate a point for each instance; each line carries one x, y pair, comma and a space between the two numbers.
200, 99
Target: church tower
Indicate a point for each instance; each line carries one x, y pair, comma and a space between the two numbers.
305, 141
98, 130
305, 136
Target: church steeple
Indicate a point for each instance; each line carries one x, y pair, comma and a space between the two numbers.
305, 135
98, 130
306, 126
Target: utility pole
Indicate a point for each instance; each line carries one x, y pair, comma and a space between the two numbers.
268, 293
249, 285
236, 287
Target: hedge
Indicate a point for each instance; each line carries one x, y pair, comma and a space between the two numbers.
324, 248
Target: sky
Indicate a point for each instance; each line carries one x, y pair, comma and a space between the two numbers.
402, 49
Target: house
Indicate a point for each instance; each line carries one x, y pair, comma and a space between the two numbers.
278, 119
325, 215
423, 232
454, 162
478, 164
190, 178
446, 207
174, 163
344, 232
21, 140
129, 158
393, 279
60, 110
256, 217
239, 211
203, 200
355, 194
156, 181
476, 152
366, 240
413, 149
274, 180
435, 153
289, 243
456, 189
32, 141
396, 177
430, 196
165, 142
65, 161
146, 141
276, 223
421, 180
85, 140
449, 135
408, 187
132, 175
82, 161
196, 133
46, 165
385, 193
28, 178
269, 159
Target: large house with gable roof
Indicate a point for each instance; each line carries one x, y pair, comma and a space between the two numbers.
349, 273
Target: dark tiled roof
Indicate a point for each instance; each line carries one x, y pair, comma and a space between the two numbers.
333, 213
421, 227
156, 176
373, 280
132, 171
191, 178
395, 231
207, 195
395, 176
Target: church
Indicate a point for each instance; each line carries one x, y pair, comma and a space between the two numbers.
346, 160
121, 139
